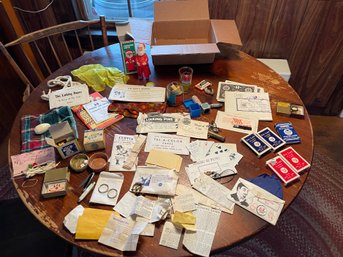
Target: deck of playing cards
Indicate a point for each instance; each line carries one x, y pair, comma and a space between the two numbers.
256, 144
263, 141
273, 140
287, 132
295, 160
282, 169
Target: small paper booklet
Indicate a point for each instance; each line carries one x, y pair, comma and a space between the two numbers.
121, 149
87, 119
97, 109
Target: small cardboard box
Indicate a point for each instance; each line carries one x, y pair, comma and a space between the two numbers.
183, 33
127, 48
55, 182
63, 139
94, 140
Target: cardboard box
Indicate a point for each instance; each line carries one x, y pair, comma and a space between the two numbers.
279, 65
183, 33
55, 182
94, 140
127, 48
63, 139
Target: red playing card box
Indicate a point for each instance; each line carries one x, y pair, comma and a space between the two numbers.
295, 160
282, 169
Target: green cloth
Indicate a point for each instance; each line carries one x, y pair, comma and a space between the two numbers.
98, 76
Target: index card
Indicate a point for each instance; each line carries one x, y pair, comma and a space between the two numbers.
69, 96
250, 105
164, 159
193, 128
135, 93
170, 143
236, 123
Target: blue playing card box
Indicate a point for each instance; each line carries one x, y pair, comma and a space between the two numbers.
256, 144
274, 141
287, 132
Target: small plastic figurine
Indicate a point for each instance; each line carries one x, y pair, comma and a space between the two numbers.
130, 61
142, 62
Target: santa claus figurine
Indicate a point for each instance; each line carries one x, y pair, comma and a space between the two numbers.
130, 61
142, 62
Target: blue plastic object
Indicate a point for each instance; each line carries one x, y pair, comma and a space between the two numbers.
194, 108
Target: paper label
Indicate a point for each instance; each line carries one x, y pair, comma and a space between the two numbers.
69, 96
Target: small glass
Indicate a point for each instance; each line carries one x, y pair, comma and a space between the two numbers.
174, 94
186, 74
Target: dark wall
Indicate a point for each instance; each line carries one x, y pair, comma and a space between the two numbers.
308, 33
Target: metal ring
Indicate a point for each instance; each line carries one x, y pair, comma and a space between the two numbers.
105, 186
109, 193
137, 187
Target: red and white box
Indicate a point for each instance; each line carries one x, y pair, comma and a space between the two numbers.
295, 160
282, 169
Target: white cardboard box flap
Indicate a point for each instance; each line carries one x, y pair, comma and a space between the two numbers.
184, 49
181, 10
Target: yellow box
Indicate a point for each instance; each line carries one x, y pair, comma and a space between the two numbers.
94, 140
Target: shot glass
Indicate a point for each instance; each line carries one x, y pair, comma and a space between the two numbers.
174, 94
186, 74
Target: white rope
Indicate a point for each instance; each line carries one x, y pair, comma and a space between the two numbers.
40, 169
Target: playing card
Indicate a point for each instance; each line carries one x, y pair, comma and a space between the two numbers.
219, 148
274, 141
281, 168
257, 144
294, 159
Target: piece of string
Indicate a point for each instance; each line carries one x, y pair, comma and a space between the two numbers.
38, 11
33, 180
40, 169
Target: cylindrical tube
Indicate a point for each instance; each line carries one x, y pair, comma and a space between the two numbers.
216, 136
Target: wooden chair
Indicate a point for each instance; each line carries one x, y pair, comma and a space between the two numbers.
52, 48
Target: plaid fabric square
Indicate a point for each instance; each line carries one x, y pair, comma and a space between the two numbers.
29, 140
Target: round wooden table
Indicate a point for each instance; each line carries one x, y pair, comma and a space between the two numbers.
230, 64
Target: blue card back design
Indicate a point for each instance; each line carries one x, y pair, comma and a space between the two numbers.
271, 138
287, 132
256, 143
